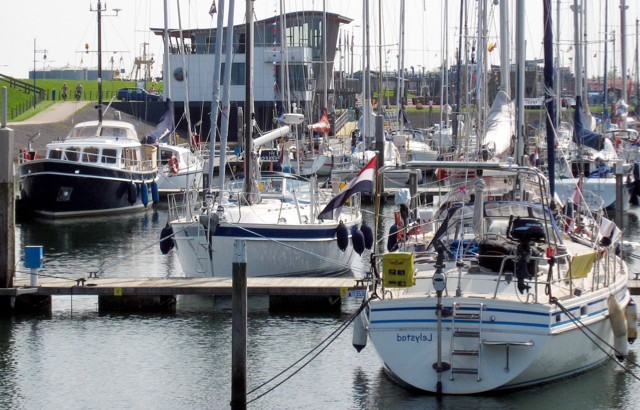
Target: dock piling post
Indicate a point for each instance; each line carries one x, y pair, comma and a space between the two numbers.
239, 327
7, 223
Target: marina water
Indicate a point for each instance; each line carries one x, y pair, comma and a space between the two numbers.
78, 358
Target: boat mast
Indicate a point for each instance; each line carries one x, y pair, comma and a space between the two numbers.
324, 54
558, 87
284, 61
605, 114
623, 53
248, 104
166, 71
520, 80
548, 82
226, 96
505, 69
380, 94
637, 70
215, 97
578, 51
400, 86
99, 61
456, 126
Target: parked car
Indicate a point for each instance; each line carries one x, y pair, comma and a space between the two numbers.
136, 94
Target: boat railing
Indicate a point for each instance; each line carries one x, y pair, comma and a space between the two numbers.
87, 156
182, 204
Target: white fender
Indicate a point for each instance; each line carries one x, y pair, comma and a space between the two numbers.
359, 339
631, 314
619, 327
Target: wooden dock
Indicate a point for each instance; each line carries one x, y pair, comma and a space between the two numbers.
149, 294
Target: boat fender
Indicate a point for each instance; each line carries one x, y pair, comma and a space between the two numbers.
173, 164
399, 227
368, 235
210, 222
144, 193
357, 240
155, 196
619, 327
359, 339
392, 240
342, 233
631, 314
166, 239
133, 193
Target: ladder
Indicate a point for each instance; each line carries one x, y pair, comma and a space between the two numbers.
466, 339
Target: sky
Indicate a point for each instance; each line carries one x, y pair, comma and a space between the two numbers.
62, 28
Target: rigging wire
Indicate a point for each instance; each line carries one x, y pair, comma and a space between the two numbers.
328, 340
582, 326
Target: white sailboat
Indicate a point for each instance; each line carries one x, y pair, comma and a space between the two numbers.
493, 289
276, 214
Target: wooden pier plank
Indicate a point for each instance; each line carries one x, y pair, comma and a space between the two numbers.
184, 286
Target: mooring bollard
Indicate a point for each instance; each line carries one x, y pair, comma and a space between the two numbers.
33, 261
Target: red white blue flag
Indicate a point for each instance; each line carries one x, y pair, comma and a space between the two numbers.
213, 10
363, 182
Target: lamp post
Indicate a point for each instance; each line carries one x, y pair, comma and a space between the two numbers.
35, 98
99, 9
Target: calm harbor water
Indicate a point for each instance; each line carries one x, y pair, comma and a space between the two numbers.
78, 358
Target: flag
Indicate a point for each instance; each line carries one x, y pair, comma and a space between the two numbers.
492, 47
213, 9
363, 182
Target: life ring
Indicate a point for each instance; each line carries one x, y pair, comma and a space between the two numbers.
25, 155
441, 174
173, 164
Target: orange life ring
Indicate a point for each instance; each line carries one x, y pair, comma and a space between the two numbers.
173, 164
25, 155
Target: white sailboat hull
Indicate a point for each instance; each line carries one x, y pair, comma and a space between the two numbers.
405, 336
284, 248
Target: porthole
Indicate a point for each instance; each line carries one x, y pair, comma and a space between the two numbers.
178, 74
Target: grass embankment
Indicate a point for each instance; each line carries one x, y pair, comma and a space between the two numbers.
16, 97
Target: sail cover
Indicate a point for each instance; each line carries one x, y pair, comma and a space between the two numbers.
581, 134
164, 127
501, 125
323, 124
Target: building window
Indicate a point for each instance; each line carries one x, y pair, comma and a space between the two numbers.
237, 74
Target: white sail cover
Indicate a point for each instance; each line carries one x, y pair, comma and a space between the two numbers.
501, 125
367, 110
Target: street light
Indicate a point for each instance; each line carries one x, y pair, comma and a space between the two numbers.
35, 100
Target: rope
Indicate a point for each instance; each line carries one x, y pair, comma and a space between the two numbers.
582, 326
333, 336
